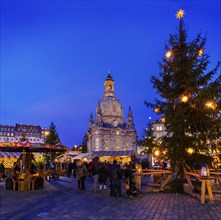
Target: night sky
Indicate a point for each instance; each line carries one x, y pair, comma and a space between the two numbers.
55, 56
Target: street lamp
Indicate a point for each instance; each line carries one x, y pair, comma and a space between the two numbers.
75, 147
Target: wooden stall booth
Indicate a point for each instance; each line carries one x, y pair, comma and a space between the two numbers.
122, 157
25, 174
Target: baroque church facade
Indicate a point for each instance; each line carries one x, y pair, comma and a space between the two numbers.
108, 132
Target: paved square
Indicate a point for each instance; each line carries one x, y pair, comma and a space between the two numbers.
62, 200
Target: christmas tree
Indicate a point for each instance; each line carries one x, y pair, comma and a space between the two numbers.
147, 143
189, 101
53, 137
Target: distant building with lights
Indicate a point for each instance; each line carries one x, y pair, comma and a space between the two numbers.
109, 132
159, 129
32, 133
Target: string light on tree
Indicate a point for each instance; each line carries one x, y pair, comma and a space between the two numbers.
168, 54
200, 52
163, 119
210, 105
184, 98
157, 110
180, 14
190, 150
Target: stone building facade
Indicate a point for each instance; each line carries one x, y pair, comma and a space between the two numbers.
33, 133
108, 132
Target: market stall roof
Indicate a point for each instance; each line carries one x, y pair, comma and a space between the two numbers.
31, 147
114, 153
83, 155
68, 154
9, 154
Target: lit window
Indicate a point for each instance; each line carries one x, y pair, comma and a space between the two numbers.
158, 136
159, 128
97, 144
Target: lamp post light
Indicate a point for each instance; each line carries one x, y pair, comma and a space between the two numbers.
75, 147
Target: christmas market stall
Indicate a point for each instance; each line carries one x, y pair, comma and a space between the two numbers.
25, 174
121, 156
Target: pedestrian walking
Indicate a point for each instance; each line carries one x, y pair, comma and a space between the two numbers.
94, 166
81, 175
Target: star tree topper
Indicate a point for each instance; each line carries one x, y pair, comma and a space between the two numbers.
180, 14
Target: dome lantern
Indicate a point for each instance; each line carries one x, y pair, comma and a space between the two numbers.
109, 86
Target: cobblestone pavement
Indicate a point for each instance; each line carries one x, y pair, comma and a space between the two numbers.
62, 200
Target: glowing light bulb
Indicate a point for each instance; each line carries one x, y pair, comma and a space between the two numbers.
210, 105
168, 54
157, 109
200, 52
163, 119
180, 14
184, 98
157, 152
190, 150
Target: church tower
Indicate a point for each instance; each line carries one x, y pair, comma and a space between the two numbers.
109, 86
109, 132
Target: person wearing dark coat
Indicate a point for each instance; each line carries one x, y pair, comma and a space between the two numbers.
115, 180
102, 175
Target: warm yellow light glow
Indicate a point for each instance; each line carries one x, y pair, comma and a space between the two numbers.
180, 14
190, 150
168, 54
163, 119
210, 105
200, 52
157, 109
46, 133
157, 152
184, 98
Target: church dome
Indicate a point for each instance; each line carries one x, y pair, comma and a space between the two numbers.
111, 109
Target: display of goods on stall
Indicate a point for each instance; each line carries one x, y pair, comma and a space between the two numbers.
9, 158
23, 178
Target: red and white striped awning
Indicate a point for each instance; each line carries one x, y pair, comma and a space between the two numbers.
9, 154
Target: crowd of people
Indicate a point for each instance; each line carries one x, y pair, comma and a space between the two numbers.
106, 176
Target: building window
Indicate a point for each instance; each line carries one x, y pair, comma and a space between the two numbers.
96, 144
106, 146
159, 128
158, 136
117, 144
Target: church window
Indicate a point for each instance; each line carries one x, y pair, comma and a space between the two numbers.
117, 144
127, 146
106, 145
96, 144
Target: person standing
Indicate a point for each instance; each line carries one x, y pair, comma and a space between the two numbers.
81, 175
102, 175
115, 180
94, 166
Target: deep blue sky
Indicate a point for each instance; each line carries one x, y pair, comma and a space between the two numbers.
55, 56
